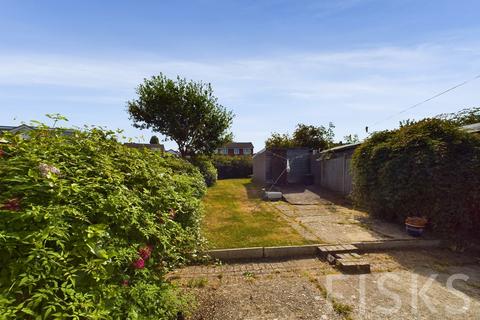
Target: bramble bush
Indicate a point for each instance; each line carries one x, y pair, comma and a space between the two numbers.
89, 228
428, 168
229, 167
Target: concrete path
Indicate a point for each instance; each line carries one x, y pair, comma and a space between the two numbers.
402, 285
301, 195
325, 217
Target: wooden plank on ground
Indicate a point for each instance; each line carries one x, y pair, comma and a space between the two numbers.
353, 267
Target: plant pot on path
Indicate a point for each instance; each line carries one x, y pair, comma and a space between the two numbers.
415, 226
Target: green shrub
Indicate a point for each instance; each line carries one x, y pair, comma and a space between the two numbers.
206, 168
429, 168
89, 228
229, 167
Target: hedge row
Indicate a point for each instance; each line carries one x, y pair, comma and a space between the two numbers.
229, 167
207, 169
430, 168
89, 228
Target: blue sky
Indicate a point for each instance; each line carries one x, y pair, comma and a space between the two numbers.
274, 63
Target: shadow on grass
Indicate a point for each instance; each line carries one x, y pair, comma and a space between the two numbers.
254, 191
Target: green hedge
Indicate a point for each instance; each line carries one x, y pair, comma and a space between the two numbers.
229, 167
89, 228
207, 169
430, 168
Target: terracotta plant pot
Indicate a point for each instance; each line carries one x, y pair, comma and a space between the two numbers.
415, 226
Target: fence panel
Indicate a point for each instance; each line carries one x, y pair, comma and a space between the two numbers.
334, 173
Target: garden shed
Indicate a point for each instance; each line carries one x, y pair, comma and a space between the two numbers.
473, 128
281, 166
331, 168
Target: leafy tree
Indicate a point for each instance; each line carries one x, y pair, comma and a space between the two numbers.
351, 138
406, 123
278, 140
154, 140
304, 136
186, 112
318, 138
463, 117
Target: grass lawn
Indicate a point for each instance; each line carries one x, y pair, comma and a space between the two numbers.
235, 216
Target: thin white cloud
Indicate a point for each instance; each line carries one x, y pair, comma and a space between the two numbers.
365, 84
20, 69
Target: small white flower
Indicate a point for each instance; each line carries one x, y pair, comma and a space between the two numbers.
45, 169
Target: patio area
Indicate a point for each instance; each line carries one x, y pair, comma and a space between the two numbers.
326, 217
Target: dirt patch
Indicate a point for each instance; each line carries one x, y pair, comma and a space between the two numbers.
403, 285
259, 290
276, 297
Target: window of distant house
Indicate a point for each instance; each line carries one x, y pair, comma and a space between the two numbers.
222, 150
247, 151
236, 151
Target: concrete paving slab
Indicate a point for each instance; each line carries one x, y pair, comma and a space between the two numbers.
309, 210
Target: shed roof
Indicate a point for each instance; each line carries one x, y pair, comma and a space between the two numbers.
344, 147
475, 127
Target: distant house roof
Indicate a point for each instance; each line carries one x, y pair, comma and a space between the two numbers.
240, 145
6, 128
472, 127
154, 147
14, 129
174, 152
24, 127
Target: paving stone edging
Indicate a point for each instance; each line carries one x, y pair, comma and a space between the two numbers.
295, 252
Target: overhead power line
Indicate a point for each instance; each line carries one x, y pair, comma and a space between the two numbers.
426, 100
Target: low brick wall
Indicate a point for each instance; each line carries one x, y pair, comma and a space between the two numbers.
297, 252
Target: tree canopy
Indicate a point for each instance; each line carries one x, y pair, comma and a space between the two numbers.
350, 138
154, 140
278, 140
463, 117
318, 138
307, 136
184, 111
